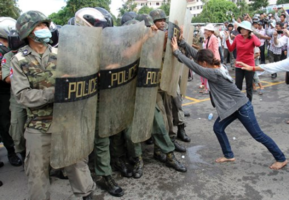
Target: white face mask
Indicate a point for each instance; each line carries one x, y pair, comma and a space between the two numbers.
42, 36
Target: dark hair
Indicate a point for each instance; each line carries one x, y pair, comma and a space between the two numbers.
283, 15
208, 56
280, 24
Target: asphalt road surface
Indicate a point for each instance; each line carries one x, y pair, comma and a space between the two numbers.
249, 178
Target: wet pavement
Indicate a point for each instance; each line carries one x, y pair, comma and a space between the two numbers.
249, 178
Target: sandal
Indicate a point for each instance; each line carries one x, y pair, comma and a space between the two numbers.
261, 91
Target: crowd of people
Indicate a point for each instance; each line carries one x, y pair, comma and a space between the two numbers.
28, 50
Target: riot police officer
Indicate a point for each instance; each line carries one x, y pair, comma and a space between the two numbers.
6, 24
32, 81
93, 17
173, 105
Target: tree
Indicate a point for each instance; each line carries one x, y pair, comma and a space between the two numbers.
72, 6
128, 6
166, 7
257, 4
145, 10
214, 11
282, 2
9, 8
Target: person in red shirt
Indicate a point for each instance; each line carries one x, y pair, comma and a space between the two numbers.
244, 44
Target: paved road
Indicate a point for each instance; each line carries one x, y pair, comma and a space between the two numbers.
249, 178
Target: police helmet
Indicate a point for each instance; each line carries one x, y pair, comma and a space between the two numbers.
127, 17
146, 18
28, 21
71, 21
130, 22
107, 16
158, 14
55, 34
90, 17
6, 25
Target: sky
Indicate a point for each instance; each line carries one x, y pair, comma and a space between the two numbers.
50, 6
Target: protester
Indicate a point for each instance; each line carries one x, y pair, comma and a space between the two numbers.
244, 44
212, 44
230, 102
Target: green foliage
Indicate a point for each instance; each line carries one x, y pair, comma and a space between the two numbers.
282, 2
214, 11
166, 7
145, 10
257, 4
128, 6
9, 8
62, 16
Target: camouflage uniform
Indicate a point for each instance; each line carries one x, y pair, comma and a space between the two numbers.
18, 112
170, 107
32, 81
4, 111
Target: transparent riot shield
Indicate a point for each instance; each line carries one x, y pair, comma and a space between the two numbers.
119, 62
188, 35
148, 79
76, 88
172, 67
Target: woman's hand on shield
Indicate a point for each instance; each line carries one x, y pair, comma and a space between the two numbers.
174, 44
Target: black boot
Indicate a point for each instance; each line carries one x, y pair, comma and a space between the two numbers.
149, 141
137, 171
273, 76
187, 114
1, 183
14, 160
88, 197
178, 147
174, 163
112, 187
159, 155
119, 165
182, 134
1, 164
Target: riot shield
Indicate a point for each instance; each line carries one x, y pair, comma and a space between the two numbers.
74, 111
172, 67
119, 62
148, 79
188, 35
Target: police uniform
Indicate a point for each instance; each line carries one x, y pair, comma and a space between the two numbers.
32, 81
5, 114
18, 112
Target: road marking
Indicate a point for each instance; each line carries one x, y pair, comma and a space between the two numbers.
195, 101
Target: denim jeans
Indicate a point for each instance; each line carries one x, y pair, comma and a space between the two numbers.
247, 117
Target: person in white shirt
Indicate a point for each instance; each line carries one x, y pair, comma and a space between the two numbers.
227, 53
284, 17
256, 77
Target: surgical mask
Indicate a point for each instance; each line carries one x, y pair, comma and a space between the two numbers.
42, 36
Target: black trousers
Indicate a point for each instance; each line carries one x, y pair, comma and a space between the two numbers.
5, 123
262, 54
240, 75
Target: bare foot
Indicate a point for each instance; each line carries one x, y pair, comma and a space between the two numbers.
278, 165
287, 122
223, 159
